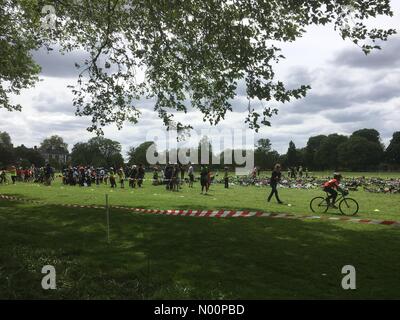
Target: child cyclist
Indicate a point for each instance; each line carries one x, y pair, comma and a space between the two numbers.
332, 187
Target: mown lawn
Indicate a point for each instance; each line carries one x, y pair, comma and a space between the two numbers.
152, 256
237, 197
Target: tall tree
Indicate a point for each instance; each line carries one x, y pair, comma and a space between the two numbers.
264, 156
271, 160
98, 152
358, 154
393, 150
292, 158
54, 143
29, 156
189, 50
83, 153
262, 147
109, 151
138, 155
313, 146
7, 155
369, 134
327, 154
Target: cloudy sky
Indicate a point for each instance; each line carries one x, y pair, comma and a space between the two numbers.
349, 91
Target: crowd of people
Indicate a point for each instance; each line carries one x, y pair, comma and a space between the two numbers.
85, 176
32, 174
174, 176
297, 172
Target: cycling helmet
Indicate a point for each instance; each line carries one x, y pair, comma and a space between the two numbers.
337, 176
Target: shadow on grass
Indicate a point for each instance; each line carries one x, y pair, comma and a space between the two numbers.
175, 204
182, 206
168, 257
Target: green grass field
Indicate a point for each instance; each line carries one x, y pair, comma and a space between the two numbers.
156, 256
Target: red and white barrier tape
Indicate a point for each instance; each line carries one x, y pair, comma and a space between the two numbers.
220, 213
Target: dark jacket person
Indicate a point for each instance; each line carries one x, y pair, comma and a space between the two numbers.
275, 178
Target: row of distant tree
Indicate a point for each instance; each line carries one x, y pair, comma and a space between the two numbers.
361, 151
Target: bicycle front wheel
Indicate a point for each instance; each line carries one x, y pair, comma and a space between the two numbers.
348, 206
319, 205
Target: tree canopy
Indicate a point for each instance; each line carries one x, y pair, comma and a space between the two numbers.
292, 157
332, 152
98, 152
7, 154
138, 155
326, 157
54, 143
358, 153
181, 53
393, 150
28, 156
264, 156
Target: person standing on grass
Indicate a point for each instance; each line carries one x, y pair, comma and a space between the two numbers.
182, 171
140, 175
254, 173
133, 176
167, 176
47, 174
226, 177
88, 177
175, 178
3, 176
13, 173
204, 179
112, 178
155, 176
121, 176
275, 178
210, 178
97, 175
191, 175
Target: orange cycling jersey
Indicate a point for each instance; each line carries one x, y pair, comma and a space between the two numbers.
331, 184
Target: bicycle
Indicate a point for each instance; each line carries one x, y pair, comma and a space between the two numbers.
347, 206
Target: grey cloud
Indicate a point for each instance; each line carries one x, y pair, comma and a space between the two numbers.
379, 93
344, 116
65, 125
344, 96
299, 76
386, 58
55, 64
288, 119
340, 82
315, 103
55, 107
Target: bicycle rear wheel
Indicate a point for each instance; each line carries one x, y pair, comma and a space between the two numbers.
348, 206
319, 205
